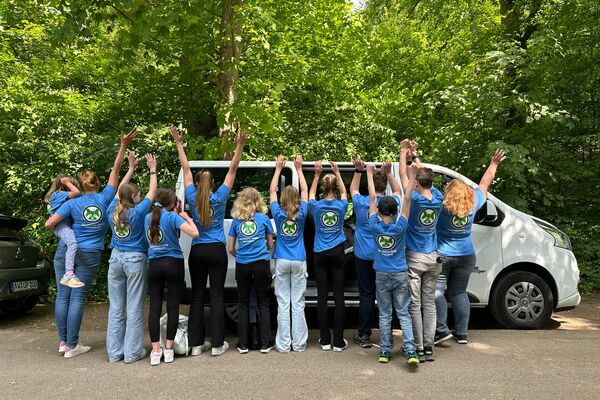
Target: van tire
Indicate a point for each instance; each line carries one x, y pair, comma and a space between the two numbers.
522, 300
18, 306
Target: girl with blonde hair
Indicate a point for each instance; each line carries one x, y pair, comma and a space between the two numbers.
208, 256
456, 250
329, 214
252, 230
290, 259
128, 266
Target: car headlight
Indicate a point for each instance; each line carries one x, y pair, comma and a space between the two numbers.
560, 238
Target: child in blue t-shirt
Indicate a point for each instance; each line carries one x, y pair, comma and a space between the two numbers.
290, 259
253, 232
391, 280
64, 188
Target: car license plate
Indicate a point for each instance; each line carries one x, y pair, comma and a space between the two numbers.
23, 286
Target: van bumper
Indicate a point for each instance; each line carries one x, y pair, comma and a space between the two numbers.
569, 302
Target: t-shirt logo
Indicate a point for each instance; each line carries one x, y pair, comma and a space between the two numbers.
385, 242
427, 216
248, 228
160, 236
329, 218
122, 232
459, 222
289, 228
92, 213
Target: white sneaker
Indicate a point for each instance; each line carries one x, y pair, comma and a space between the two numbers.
78, 350
217, 351
155, 357
341, 348
71, 281
197, 350
62, 348
325, 347
169, 355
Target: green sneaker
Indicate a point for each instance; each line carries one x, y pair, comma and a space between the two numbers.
384, 356
428, 354
421, 355
412, 359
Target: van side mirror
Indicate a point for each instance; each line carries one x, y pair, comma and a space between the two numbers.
487, 214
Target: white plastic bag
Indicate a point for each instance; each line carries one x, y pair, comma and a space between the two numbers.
180, 345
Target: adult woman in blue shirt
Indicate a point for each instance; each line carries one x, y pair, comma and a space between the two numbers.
88, 212
329, 214
208, 256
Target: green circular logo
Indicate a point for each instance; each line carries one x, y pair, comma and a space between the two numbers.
289, 228
385, 242
160, 236
248, 228
427, 216
122, 232
92, 214
329, 218
459, 222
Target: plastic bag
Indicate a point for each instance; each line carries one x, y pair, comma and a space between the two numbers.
180, 345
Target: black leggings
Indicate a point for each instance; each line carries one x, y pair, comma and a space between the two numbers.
161, 271
257, 273
332, 261
207, 260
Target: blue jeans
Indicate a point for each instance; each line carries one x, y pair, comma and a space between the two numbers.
454, 277
290, 285
127, 285
393, 292
68, 309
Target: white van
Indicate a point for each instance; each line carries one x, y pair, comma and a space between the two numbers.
525, 266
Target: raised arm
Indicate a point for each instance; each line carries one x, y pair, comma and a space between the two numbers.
359, 166
126, 140
73, 191
132, 165
235, 161
275, 181
301, 178
490, 173
189, 228
404, 145
151, 161
340, 182
412, 173
315, 182
413, 153
371, 186
188, 179
387, 170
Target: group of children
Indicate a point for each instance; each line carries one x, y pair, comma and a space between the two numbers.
397, 255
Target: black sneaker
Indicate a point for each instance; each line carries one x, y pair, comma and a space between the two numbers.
267, 347
421, 355
441, 337
428, 351
462, 339
243, 349
363, 341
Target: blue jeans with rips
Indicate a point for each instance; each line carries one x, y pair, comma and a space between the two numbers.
127, 286
392, 290
68, 309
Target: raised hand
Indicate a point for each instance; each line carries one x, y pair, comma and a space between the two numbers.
386, 167
318, 168
412, 170
370, 169
413, 148
129, 137
334, 167
175, 134
151, 162
279, 162
405, 144
358, 164
132, 160
241, 137
298, 161
498, 157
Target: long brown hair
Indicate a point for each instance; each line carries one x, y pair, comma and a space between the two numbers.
89, 181
290, 201
203, 181
329, 185
247, 203
58, 185
126, 193
164, 198
459, 198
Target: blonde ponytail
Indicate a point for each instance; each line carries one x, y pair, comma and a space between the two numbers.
203, 190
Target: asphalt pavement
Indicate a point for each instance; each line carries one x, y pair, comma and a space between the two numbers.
558, 362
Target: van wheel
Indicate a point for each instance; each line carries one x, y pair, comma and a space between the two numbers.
522, 300
18, 306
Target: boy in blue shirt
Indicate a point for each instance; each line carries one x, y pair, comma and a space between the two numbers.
391, 270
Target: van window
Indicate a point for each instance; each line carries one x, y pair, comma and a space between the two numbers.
347, 175
259, 178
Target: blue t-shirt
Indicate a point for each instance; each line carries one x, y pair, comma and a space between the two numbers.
217, 201
389, 244
252, 238
168, 235
290, 234
89, 217
423, 216
329, 222
57, 199
454, 232
132, 236
364, 244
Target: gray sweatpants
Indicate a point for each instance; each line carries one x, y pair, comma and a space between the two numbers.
423, 271
65, 233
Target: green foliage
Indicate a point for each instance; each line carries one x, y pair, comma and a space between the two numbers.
315, 77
